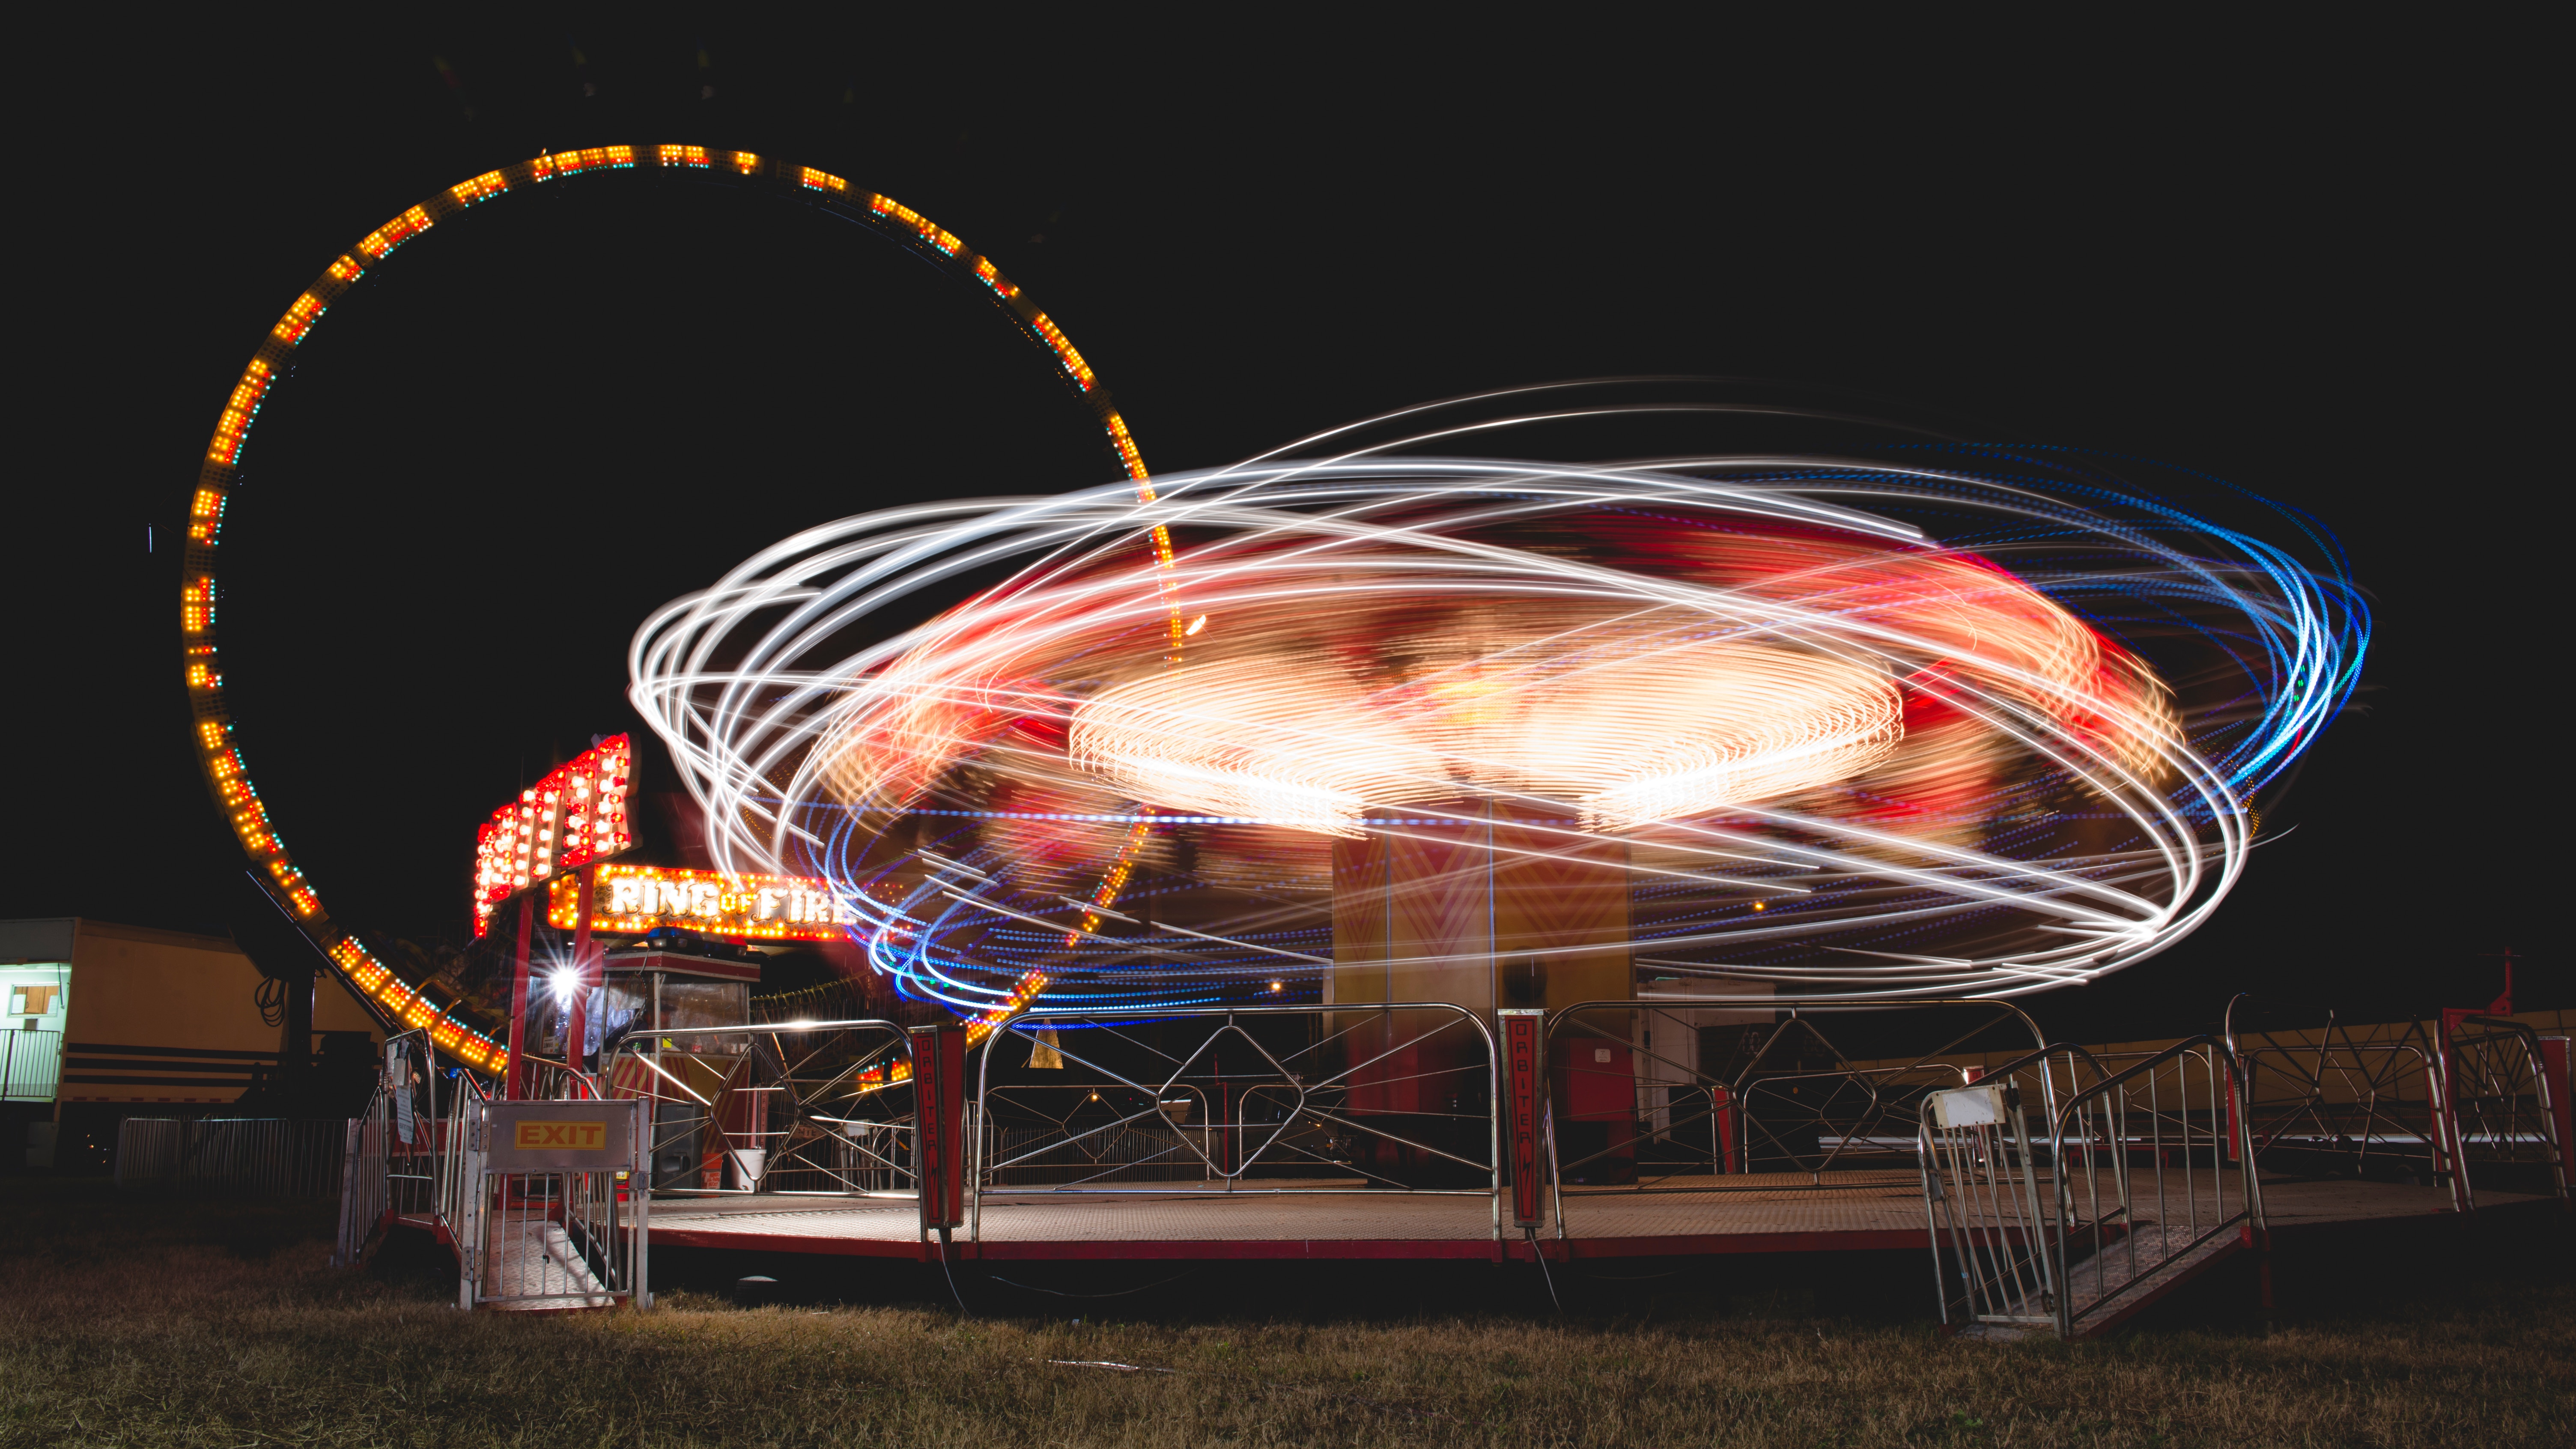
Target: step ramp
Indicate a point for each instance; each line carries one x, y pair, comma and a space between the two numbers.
532, 1263
2128, 1274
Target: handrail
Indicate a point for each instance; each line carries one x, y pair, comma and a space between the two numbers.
2443, 1138
983, 1082
2249, 1179
563, 1071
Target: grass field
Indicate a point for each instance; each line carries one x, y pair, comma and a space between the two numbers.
126, 1320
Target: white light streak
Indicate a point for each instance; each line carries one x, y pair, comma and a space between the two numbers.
1735, 668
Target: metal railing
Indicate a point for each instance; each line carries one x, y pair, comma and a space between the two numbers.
420, 1154
2503, 1105
362, 1187
400, 1155
793, 1108
2144, 1173
1376, 1096
2367, 1104
548, 1080
258, 1157
2167, 1138
31, 1065
1632, 1113
2467, 1107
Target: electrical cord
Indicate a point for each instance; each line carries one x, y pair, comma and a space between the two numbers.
1544, 1272
962, 1309
271, 996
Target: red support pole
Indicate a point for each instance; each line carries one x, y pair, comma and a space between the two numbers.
1522, 1034
577, 1018
514, 1082
939, 1123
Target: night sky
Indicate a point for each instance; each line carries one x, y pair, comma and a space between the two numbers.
2308, 266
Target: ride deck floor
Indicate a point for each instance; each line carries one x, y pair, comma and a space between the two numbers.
1752, 1213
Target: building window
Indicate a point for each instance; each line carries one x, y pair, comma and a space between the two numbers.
32, 1003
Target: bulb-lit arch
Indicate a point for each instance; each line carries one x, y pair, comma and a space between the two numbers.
220, 756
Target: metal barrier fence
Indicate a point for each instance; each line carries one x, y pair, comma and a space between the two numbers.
31, 1065
1337, 1099
263, 1157
426, 1154
2468, 1106
796, 1108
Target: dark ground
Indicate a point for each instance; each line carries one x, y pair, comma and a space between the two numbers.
132, 1320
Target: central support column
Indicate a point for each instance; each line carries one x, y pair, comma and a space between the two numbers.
1493, 906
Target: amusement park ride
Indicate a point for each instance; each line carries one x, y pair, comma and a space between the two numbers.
1368, 852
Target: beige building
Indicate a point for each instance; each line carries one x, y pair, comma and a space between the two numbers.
108, 1021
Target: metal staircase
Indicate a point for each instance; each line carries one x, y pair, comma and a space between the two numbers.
2136, 1181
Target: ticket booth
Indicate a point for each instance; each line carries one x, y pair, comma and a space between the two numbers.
700, 1087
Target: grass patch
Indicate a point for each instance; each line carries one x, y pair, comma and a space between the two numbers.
125, 1320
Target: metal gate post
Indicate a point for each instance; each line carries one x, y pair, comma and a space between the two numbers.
1523, 1032
345, 1255
1729, 1115
471, 1198
639, 1180
2450, 1153
939, 1124
2045, 1244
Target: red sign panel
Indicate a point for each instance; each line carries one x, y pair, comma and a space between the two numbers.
939, 1122
1522, 1031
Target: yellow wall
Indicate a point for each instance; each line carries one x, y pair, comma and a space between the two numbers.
132, 986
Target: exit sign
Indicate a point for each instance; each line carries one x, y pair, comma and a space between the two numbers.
571, 1136
560, 1136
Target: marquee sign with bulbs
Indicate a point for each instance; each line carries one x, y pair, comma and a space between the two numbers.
570, 818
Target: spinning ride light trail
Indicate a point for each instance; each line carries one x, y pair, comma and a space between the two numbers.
1905, 721
220, 754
